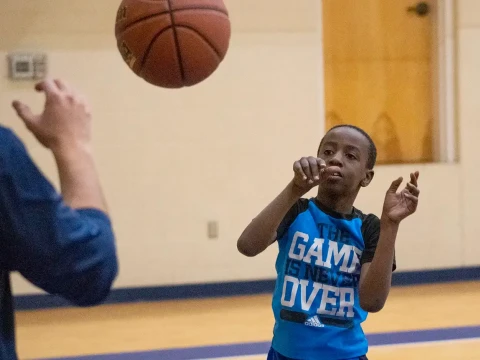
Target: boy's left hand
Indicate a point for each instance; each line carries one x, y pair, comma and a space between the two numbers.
398, 206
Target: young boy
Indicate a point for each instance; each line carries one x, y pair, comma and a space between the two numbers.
334, 263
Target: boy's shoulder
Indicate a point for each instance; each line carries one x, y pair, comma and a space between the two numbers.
370, 223
366, 217
356, 212
303, 204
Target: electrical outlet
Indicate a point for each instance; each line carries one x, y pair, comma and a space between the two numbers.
27, 66
212, 229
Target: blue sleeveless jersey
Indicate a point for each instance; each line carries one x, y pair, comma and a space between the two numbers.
315, 302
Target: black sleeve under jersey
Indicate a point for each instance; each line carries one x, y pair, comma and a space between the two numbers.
371, 234
299, 207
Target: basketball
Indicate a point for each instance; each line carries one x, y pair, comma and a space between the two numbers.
173, 43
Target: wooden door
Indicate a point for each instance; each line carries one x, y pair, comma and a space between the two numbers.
379, 76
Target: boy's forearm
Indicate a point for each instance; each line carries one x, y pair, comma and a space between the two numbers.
375, 285
261, 232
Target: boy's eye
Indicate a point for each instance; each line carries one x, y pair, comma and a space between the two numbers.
351, 156
328, 152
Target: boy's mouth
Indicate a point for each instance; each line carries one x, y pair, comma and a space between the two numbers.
333, 171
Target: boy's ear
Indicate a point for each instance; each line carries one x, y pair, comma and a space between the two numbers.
368, 178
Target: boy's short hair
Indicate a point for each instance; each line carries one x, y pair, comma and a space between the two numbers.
372, 149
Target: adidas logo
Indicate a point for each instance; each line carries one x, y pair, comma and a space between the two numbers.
313, 321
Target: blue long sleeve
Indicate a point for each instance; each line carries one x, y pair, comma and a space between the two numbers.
64, 251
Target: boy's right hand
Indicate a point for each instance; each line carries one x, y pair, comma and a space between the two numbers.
307, 172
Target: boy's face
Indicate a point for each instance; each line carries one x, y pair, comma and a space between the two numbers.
345, 152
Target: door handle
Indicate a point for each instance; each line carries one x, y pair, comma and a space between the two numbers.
421, 9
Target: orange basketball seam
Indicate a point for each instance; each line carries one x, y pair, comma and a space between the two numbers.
212, 8
204, 38
177, 43
138, 21
149, 48
148, 17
